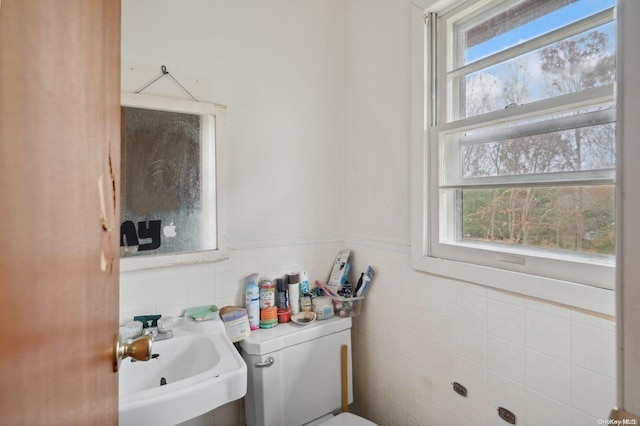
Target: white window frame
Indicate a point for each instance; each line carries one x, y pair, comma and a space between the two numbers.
508, 270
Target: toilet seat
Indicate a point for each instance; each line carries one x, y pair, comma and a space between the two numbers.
347, 419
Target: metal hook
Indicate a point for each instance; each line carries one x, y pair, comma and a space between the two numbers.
163, 68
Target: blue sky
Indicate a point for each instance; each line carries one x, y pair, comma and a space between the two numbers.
572, 12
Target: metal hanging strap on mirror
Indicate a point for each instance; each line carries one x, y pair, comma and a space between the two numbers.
165, 72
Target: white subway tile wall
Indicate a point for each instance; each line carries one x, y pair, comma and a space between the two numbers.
546, 363
416, 335
171, 290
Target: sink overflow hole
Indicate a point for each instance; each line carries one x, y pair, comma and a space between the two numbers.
163, 381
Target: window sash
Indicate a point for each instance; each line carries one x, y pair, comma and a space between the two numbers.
447, 109
446, 243
454, 72
443, 239
449, 143
423, 99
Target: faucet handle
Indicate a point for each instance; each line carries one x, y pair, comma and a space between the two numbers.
165, 324
131, 329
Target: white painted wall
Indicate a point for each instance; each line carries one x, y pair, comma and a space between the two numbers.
277, 65
376, 116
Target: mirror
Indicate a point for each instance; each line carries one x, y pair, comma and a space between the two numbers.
173, 182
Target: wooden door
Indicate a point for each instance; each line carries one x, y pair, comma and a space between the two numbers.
59, 167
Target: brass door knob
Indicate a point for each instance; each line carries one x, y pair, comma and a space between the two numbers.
139, 349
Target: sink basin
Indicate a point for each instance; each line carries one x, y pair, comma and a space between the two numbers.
197, 370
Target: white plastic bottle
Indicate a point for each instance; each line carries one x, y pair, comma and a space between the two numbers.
294, 292
252, 301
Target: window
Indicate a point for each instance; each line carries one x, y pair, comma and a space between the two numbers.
519, 148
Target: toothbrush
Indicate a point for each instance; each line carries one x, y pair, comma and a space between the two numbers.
367, 279
326, 289
359, 284
365, 283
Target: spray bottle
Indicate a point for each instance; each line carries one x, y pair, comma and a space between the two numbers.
304, 283
252, 301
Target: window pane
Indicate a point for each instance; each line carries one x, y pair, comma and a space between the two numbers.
495, 29
584, 61
575, 218
586, 148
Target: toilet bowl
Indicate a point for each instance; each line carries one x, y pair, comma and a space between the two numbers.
294, 375
342, 419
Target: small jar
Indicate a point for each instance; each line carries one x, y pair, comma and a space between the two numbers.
284, 315
269, 317
305, 304
236, 323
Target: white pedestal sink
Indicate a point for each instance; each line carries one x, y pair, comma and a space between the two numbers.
197, 370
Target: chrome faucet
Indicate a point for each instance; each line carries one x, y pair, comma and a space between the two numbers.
154, 326
156, 334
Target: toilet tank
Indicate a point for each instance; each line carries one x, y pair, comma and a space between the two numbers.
294, 372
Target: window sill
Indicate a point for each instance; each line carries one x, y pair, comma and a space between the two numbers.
566, 293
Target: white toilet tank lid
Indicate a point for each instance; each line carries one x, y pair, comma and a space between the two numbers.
348, 419
264, 341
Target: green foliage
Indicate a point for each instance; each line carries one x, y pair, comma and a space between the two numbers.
576, 218
569, 218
